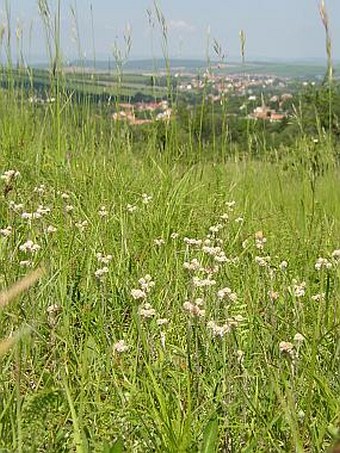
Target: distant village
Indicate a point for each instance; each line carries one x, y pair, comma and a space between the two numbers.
251, 87
157, 111
218, 87
257, 97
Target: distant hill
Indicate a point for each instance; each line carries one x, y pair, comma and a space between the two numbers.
281, 69
158, 64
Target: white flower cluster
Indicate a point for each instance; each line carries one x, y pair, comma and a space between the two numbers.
260, 240
227, 293
103, 212
336, 255
40, 212
203, 282
322, 263
40, 190
262, 261
299, 289
120, 347
291, 349
146, 284
193, 242
194, 308
102, 272
15, 207
131, 208
29, 247
105, 259
146, 198
193, 265
146, 311
5, 232
159, 242
9, 175
222, 330
81, 225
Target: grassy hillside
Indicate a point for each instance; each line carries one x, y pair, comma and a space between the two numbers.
190, 302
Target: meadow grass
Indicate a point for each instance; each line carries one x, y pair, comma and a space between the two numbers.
254, 367
189, 302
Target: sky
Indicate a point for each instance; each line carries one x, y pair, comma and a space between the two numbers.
274, 29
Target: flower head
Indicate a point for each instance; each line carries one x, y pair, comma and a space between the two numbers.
138, 294
120, 347
287, 348
9, 175
146, 283
147, 311
226, 293
29, 247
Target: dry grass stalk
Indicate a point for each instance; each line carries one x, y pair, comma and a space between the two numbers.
325, 22
8, 343
19, 287
10, 294
243, 45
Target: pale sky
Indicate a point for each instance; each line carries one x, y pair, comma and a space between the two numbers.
282, 29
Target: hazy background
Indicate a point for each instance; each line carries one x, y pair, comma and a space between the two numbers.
275, 29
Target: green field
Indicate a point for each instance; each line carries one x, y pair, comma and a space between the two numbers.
86, 83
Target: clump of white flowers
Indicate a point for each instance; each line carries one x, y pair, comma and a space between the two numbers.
287, 348
336, 255
103, 212
25, 263
193, 265
138, 294
15, 207
283, 265
81, 225
146, 198
131, 208
147, 311
9, 175
217, 330
322, 263
40, 190
105, 259
227, 294
260, 240
193, 242
214, 229
145, 285
5, 232
101, 273
262, 261
29, 247
319, 297
51, 229
203, 282
120, 346
230, 205
194, 308
299, 289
